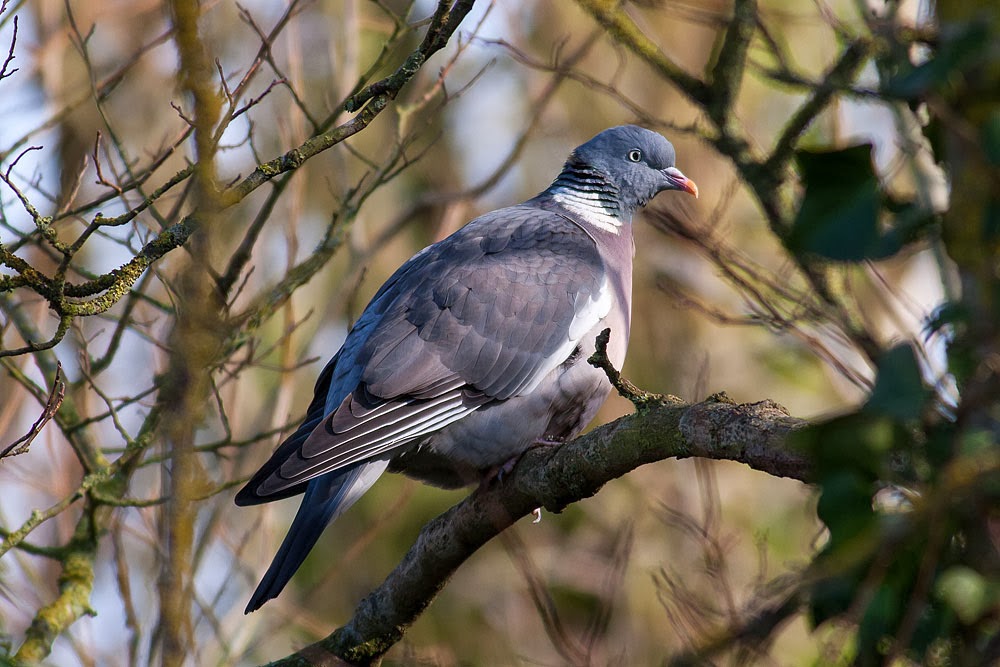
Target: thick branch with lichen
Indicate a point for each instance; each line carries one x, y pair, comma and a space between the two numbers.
76, 581
195, 342
553, 477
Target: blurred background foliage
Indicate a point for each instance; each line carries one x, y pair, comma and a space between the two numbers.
839, 304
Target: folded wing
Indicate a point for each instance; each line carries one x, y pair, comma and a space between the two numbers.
482, 316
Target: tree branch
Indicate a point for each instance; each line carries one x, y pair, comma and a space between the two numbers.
445, 21
622, 29
726, 73
552, 477
112, 286
56, 395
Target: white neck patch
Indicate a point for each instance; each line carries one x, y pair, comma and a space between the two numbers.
588, 206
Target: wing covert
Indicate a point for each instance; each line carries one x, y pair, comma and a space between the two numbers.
481, 316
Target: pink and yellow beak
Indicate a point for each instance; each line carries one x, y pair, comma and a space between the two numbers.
678, 181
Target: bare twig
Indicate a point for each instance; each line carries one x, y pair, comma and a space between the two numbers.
264, 54
56, 395
443, 24
4, 73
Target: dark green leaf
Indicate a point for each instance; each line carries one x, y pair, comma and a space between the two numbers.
856, 443
940, 446
841, 209
899, 390
838, 218
845, 506
958, 52
991, 222
991, 138
879, 620
952, 319
832, 596
935, 624
909, 221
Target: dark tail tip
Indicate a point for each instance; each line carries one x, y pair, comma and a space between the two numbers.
246, 496
256, 602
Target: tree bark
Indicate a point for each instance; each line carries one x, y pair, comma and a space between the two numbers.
552, 477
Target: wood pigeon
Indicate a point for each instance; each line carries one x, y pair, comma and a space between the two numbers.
476, 348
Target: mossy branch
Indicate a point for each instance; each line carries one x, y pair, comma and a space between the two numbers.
622, 29
553, 477
93, 297
76, 582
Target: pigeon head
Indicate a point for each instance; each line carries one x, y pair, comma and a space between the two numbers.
617, 172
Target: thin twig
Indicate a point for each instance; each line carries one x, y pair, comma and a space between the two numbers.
4, 73
640, 398
56, 395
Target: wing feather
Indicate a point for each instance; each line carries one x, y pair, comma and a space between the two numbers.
482, 316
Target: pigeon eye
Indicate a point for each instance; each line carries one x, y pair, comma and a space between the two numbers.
635, 155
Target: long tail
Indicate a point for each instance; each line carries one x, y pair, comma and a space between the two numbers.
326, 498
